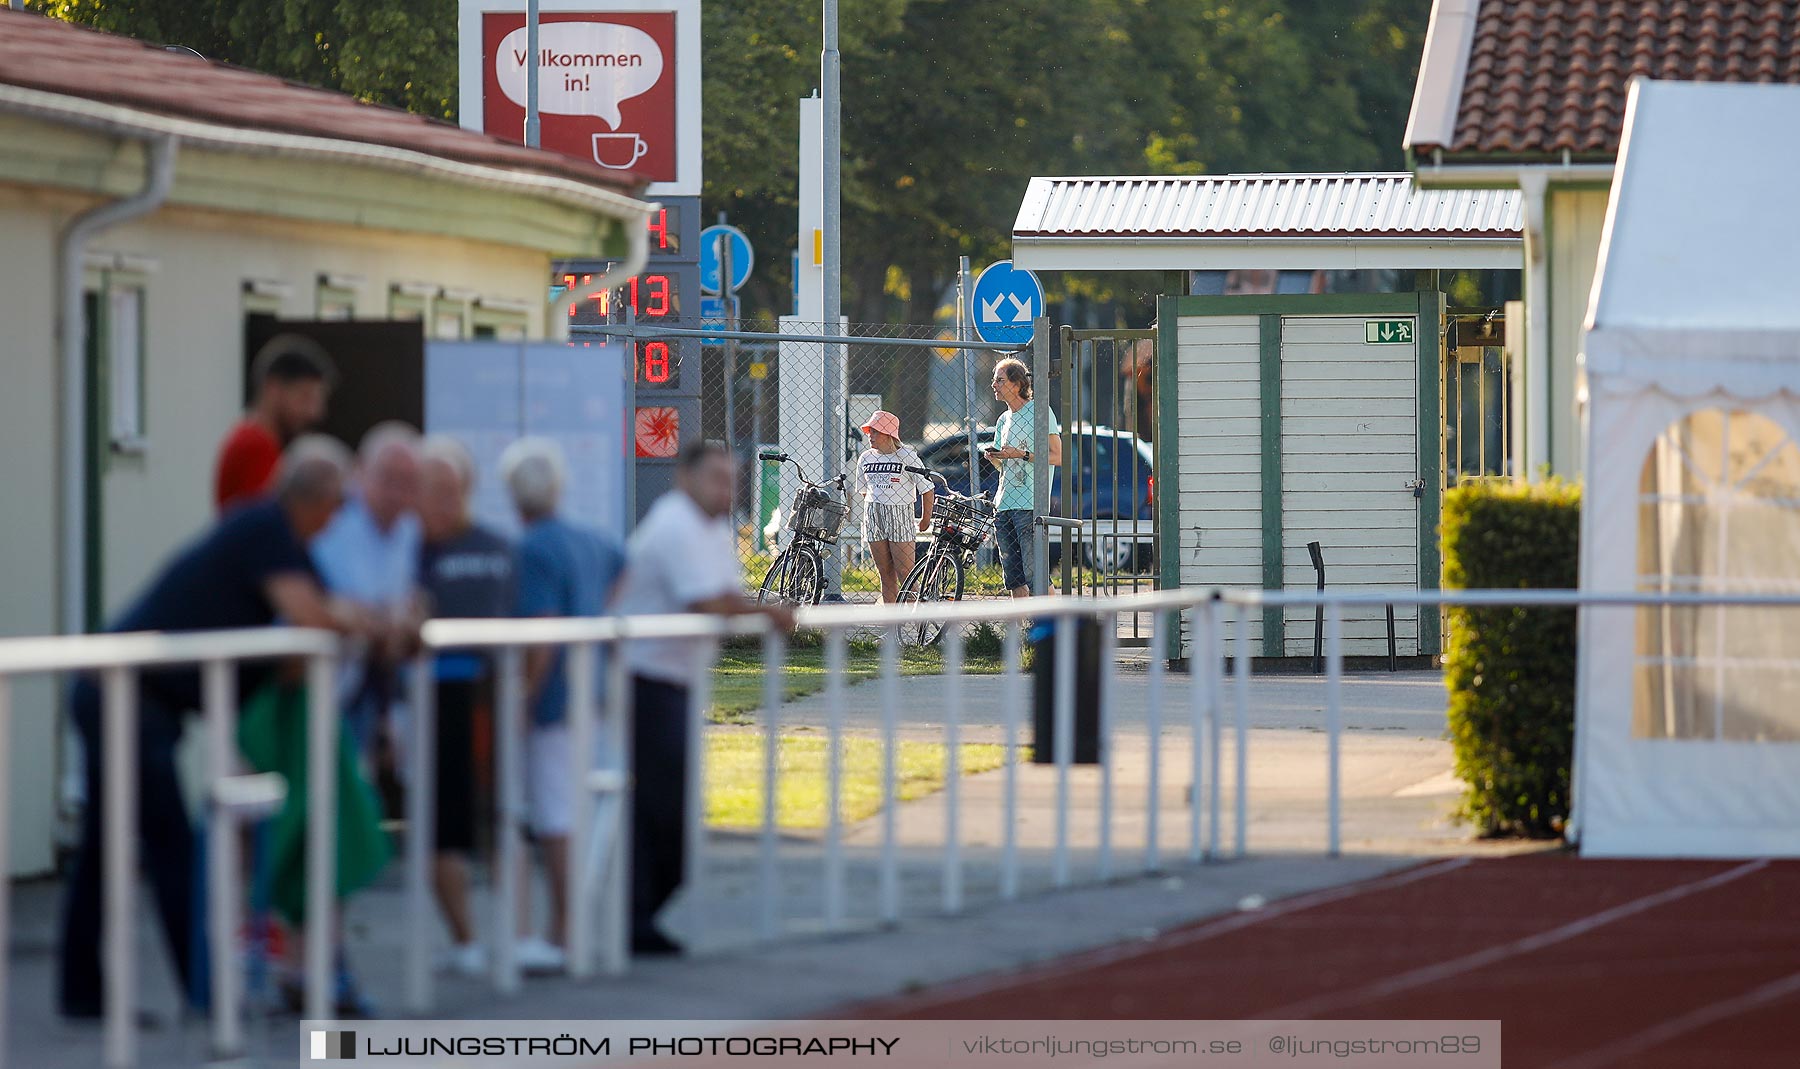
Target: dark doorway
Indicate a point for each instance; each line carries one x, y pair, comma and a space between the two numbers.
380, 367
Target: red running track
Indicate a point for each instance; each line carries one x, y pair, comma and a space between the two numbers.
1587, 963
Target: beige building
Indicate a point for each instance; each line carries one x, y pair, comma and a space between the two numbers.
1531, 96
149, 202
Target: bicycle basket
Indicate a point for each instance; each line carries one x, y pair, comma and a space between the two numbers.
966, 523
817, 515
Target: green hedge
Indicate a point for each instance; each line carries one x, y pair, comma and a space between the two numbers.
1511, 672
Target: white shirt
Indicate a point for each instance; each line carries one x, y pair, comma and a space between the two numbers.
677, 556
882, 478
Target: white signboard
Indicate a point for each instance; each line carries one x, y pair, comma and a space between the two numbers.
489, 394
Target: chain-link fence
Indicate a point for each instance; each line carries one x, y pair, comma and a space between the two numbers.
763, 393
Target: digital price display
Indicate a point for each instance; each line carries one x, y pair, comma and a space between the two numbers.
666, 294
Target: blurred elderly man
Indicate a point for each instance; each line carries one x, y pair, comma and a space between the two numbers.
563, 570
249, 570
466, 571
683, 558
370, 555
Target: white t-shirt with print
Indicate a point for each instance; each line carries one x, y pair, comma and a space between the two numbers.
677, 556
882, 478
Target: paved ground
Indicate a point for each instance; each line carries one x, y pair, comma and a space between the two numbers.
1397, 791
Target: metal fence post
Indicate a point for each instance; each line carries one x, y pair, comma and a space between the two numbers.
509, 849
1334, 721
421, 820
5, 846
119, 862
768, 871
321, 832
1040, 434
218, 683
584, 693
835, 642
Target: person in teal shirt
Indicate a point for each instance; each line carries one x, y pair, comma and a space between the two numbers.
1014, 453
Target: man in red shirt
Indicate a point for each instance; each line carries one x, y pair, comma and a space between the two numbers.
293, 377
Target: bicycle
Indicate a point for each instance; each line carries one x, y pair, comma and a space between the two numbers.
959, 525
797, 575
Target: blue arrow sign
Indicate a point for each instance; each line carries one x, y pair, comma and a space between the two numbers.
743, 258
1005, 301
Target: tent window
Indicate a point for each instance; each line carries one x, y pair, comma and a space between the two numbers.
1719, 512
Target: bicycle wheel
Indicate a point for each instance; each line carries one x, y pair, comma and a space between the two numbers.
937, 578
805, 583
775, 580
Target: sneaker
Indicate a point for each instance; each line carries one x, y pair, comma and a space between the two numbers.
469, 959
536, 955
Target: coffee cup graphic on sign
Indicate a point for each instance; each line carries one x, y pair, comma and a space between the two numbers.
619, 151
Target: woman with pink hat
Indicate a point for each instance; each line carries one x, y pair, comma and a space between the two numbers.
891, 525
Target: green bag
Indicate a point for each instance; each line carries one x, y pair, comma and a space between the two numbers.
272, 736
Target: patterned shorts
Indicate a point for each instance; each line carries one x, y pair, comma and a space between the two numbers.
889, 523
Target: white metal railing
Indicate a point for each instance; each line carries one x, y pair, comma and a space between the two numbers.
119, 659
600, 835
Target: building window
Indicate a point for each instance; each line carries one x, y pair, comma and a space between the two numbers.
495, 319
410, 301
336, 299
450, 314
1719, 512
115, 332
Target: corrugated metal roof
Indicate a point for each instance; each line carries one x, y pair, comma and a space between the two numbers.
1314, 206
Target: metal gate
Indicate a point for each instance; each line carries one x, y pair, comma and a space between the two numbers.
1103, 539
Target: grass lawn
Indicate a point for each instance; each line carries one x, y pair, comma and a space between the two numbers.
734, 786
738, 679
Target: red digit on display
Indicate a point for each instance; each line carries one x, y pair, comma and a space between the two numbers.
656, 361
659, 227
659, 295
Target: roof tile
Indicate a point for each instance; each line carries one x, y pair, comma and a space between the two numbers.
1547, 76
50, 55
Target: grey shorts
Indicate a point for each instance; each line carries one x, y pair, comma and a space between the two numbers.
889, 523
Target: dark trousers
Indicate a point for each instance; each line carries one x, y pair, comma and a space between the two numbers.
659, 807
166, 852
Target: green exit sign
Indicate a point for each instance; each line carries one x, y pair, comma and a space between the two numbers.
1388, 331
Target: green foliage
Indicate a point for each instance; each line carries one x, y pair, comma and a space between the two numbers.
397, 52
949, 106
1511, 671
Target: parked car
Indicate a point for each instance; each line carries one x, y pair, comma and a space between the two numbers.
1114, 481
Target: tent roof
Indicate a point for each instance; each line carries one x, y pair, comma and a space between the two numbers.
1701, 235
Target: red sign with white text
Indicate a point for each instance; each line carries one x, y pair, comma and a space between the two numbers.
606, 86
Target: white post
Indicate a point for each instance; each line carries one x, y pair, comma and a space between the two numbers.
768, 871
890, 761
615, 938
584, 692
1241, 671
693, 877
1153, 727
508, 747
321, 832
421, 831
119, 863
1215, 703
1062, 742
835, 643
217, 685
5, 824
1334, 717
1009, 704
1537, 329
1200, 677
953, 666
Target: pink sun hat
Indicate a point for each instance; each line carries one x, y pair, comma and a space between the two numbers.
885, 422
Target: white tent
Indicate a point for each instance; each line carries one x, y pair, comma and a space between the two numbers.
1688, 719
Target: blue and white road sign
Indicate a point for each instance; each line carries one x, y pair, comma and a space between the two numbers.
1006, 300
743, 257
713, 315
